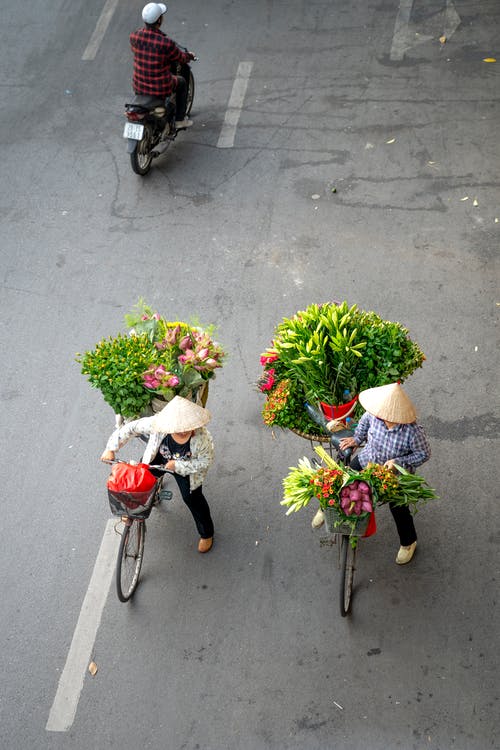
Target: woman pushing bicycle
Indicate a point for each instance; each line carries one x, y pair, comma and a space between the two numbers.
179, 441
391, 435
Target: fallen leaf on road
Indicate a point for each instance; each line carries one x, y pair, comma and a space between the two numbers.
391, 141
315, 197
489, 59
442, 39
93, 668
474, 202
466, 198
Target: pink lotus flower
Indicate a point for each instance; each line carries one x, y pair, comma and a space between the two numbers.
171, 336
185, 343
187, 358
172, 381
211, 363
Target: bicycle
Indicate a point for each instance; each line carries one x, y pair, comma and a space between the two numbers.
134, 511
342, 535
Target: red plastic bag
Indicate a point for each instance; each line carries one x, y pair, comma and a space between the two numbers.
131, 478
372, 525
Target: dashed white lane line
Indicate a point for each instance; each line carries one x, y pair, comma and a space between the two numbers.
63, 711
100, 29
407, 35
400, 35
235, 105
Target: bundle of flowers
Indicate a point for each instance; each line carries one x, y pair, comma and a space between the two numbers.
328, 354
352, 494
157, 358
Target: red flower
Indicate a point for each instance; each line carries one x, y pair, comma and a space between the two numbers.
267, 381
267, 357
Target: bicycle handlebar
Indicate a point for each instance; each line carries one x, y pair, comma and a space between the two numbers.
150, 466
335, 437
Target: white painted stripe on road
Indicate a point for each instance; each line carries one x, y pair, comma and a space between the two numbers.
400, 36
100, 29
235, 105
63, 711
452, 20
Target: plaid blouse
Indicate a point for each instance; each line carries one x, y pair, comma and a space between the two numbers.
405, 443
154, 53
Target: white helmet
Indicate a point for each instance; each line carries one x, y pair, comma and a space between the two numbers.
152, 11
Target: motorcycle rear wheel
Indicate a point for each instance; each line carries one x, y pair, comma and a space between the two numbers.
141, 157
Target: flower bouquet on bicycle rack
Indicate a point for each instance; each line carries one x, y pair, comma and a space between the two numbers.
346, 498
139, 372
131, 490
326, 355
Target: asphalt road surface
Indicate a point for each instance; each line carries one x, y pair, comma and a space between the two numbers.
362, 164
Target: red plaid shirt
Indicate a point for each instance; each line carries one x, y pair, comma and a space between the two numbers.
154, 53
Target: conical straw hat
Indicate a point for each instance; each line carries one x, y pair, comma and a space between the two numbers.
389, 402
180, 415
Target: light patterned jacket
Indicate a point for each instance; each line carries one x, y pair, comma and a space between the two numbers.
202, 448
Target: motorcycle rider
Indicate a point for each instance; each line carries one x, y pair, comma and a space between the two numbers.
154, 52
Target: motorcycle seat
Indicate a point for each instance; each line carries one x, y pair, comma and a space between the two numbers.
146, 101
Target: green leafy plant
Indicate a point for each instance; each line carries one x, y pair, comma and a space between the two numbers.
116, 366
158, 358
327, 350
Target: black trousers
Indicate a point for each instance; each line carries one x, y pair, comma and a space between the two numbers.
198, 506
401, 514
180, 98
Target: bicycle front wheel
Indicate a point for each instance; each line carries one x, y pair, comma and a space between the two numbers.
347, 557
129, 562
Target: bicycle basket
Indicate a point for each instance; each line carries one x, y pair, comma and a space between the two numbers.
131, 490
134, 504
334, 525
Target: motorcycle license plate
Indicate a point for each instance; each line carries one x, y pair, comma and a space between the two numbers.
133, 130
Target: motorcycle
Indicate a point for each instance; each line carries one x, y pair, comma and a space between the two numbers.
150, 126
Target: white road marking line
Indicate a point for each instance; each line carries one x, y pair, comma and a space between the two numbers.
451, 19
400, 36
405, 35
100, 29
63, 711
235, 105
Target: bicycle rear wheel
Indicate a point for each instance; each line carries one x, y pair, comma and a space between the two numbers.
348, 558
130, 554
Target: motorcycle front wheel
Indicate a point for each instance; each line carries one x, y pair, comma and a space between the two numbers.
190, 93
141, 157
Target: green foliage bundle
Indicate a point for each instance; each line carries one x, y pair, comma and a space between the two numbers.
116, 366
158, 358
328, 349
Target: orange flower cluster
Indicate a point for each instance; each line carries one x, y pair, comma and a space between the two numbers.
328, 483
276, 401
384, 480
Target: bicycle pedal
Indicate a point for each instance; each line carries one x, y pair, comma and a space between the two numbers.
165, 495
327, 541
